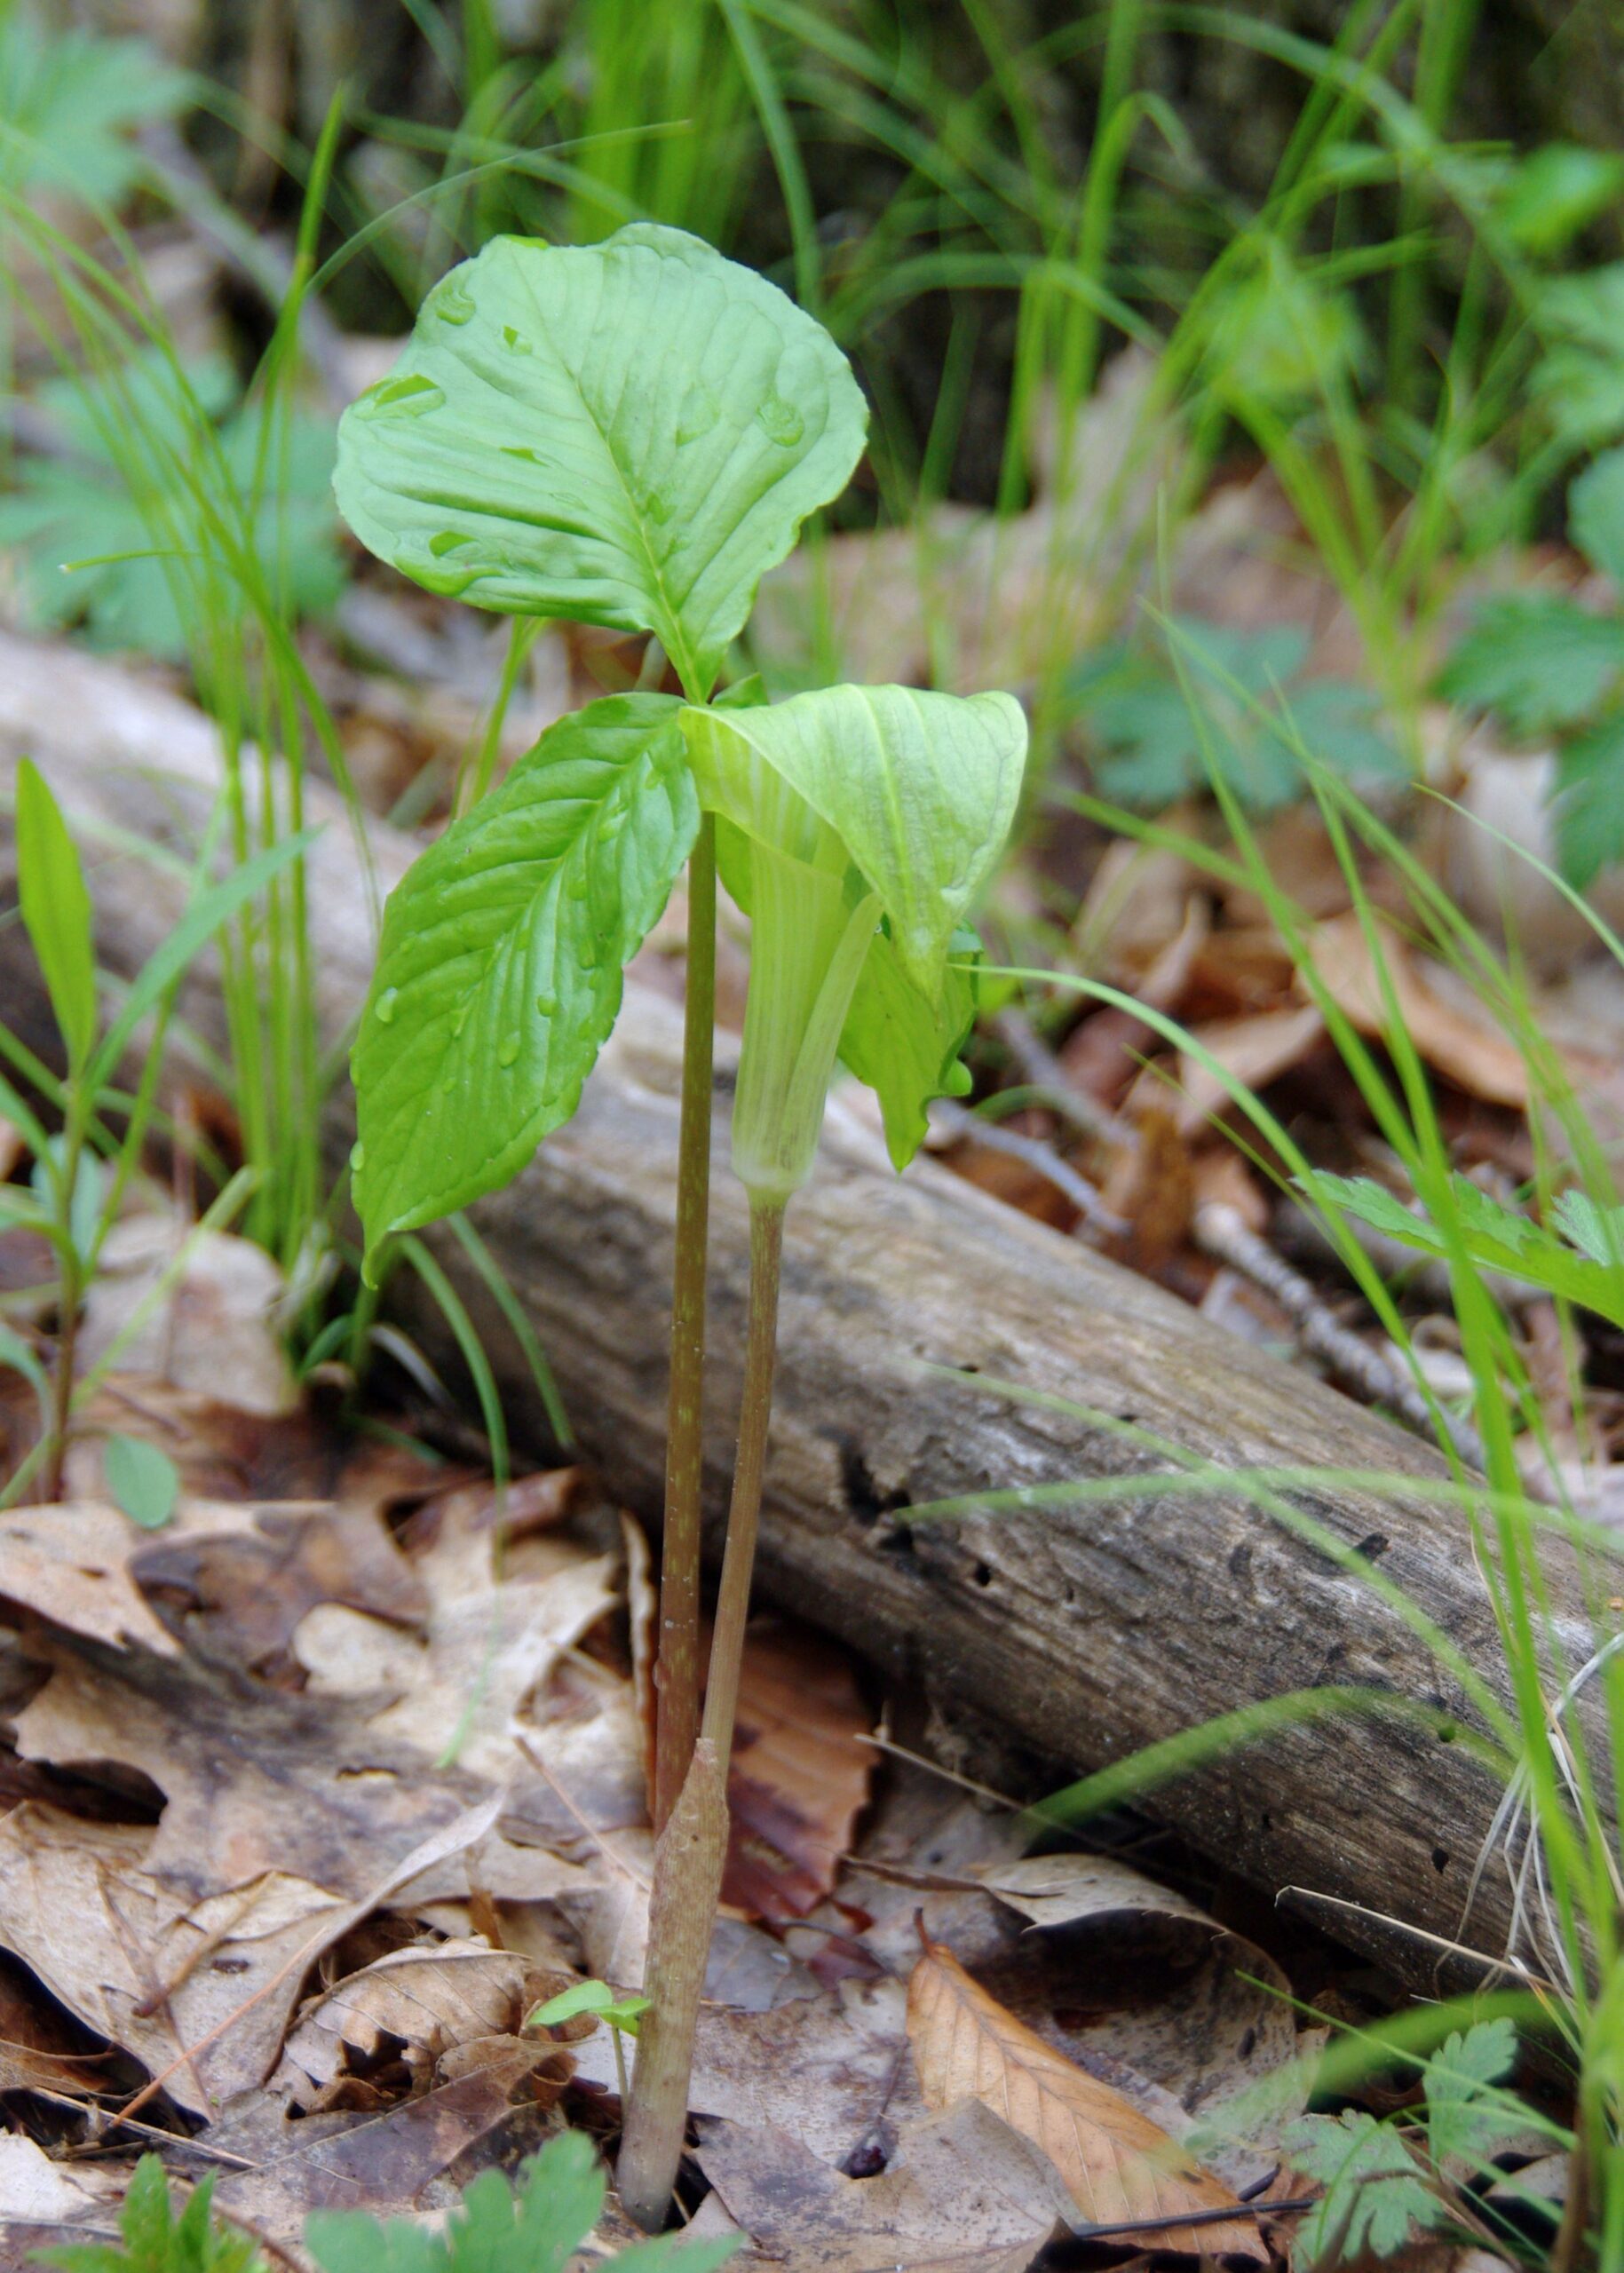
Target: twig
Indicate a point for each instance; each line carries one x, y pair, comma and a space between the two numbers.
1220, 1232
1084, 1197
1042, 1070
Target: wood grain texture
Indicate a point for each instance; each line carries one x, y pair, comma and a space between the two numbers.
1081, 1635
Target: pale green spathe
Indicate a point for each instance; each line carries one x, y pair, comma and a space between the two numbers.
856, 825
628, 433
921, 789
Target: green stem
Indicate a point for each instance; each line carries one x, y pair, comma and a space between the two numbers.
692, 1847
677, 1669
70, 1293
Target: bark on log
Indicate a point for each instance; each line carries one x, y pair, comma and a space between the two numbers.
1081, 1635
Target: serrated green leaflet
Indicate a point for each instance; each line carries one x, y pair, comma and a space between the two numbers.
499, 972
560, 2201
628, 434
921, 789
905, 1048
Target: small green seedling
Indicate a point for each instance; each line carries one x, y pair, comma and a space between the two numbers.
156, 2241
539, 2229
619, 2013
631, 434
82, 1171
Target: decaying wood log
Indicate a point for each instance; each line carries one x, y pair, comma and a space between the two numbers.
1082, 1633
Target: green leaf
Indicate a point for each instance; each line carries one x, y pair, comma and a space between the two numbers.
139, 445
1596, 515
1596, 1231
1231, 714
155, 2241
1549, 195
560, 2197
1467, 2120
920, 789
594, 1997
1375, 2195
68, 99
142, 1480
499, 972
1588, 801
1537, 660
56, 910
1579, 382
1497, 1239
905, 1047
628, 433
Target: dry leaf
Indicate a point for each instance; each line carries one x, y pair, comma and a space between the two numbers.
255, 1781
249, 1574
490, 1641
1119, 2166
33, 2190
381, 2163
1464, 1043
70, 1562
823, 2067
414, 2006
143, 1966
1253, 1051
210, 1330
800, 1772
961, 2193
1127, 1973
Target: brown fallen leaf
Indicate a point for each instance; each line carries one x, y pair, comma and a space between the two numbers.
961, 2193
195, 1308
1253, 1050
415, 2007
1126, 1973
1119, 2166
69, 1564
1471, 1049
249, 1576
800, 1772
824, 2067
255, 1781
144, 1966
381, 2163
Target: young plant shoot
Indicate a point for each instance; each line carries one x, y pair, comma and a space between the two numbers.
631, 435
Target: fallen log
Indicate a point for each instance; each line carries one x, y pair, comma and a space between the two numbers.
1080, 1633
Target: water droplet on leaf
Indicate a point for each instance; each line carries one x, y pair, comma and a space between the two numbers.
699, 414
386, 1003
547, 1004
358, 1159
407, 397
781, 421
453, 303
507, 1053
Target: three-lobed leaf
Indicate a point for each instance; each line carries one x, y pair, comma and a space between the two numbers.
56, 911
499, 974
628, 434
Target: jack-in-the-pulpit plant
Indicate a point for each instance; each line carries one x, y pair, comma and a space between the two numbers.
631, 435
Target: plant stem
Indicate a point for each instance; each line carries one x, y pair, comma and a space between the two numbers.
692, 1847
744, 1513
70, 1292
676, 1666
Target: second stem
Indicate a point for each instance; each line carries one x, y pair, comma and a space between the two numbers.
692, 1847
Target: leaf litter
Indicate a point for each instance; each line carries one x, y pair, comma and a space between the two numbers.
368, 1786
